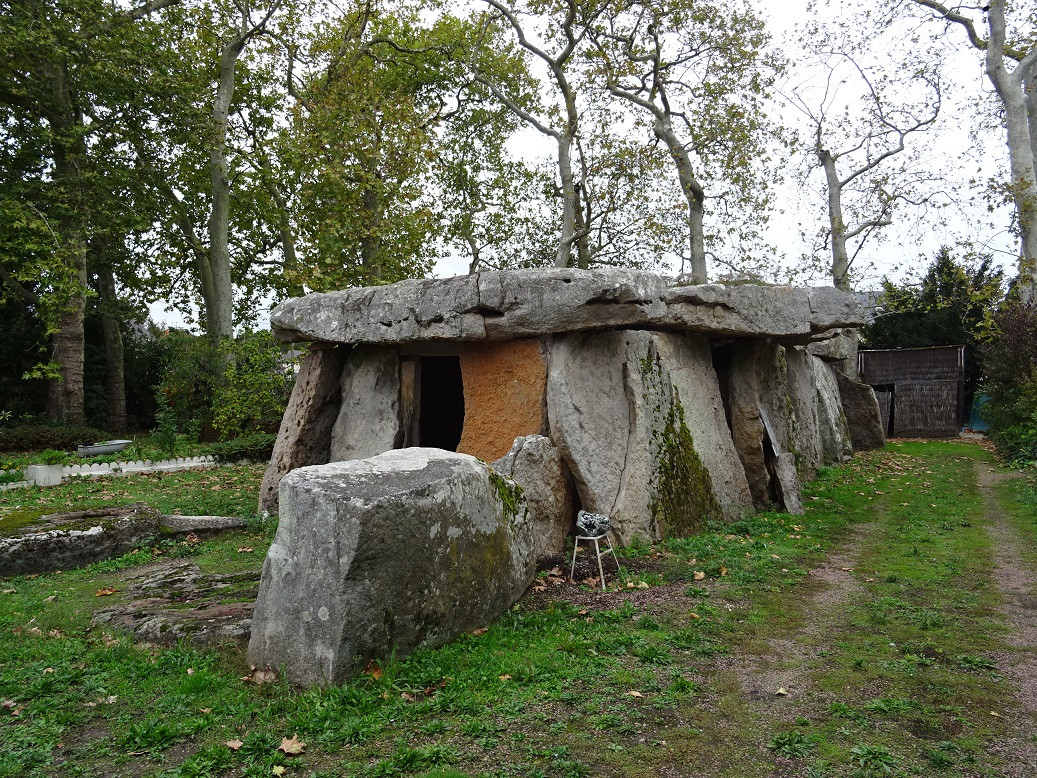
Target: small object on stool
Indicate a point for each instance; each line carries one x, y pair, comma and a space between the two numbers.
592, 527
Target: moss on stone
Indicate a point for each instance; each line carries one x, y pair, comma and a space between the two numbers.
684, 497
15, 522
509, 492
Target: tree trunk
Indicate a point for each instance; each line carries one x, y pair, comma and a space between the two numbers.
65, 393
1009, 88
565, 172
218, 297
693, 194
840, 258
65, 402
371, 242
114, 364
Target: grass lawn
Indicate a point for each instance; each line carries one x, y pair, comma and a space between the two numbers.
868, 637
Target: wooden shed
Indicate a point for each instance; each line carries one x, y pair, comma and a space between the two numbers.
920, 390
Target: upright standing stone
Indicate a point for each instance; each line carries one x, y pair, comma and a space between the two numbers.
410, 548
802, 390
535, 464
639, 421
747, 427
836, 447
369, 419
505, 387
862, 413
304, 437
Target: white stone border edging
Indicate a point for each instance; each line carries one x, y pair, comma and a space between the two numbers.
34, 474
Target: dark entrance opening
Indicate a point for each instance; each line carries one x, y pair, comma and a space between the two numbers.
722, 354
441, 403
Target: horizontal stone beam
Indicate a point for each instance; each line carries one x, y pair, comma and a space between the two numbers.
504, 305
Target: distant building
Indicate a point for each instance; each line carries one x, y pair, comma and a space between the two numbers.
921, 391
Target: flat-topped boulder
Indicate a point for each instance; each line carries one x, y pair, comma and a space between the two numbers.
511, 304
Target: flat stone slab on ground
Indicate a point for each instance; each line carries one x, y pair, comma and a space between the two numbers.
62, 541
175, 601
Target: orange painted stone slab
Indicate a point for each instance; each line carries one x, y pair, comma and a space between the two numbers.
505, 388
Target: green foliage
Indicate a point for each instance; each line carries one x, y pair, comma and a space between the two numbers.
1010, 362
256, 446
951, 304
236, 386
36, 437
257, 381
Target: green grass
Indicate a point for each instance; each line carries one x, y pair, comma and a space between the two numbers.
897, 678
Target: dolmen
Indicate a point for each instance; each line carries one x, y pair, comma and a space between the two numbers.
660, 406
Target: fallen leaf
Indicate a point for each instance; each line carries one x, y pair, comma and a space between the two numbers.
234, 745
407, 696
775, 556
56, 633
10, 591
374, 670
245, 549
110, 699
480, 631
258, 676
277, 770
48, 670
633, 693
698, 575
781, 692
291, 747
540, 588
556, 571
190, 671
694, 615
192, 538
995, 715
723, 571
505, 677
51, 598
106, 591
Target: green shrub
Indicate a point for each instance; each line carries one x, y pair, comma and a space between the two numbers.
258, 447
1010, 362
257, 381
37, 437
235, 387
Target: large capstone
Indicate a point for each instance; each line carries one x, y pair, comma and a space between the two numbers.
410, 548
640, 423
507, 305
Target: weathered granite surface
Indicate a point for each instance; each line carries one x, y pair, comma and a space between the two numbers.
535, 464
172, 601
861, 409
63, 541
304, 437
410, 548
639, 420
504, 386
368, 420
505, 305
